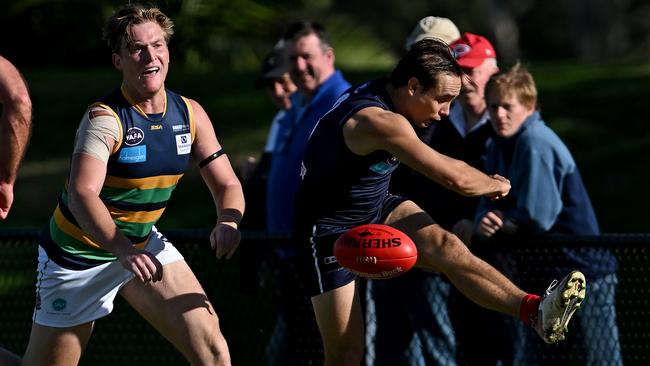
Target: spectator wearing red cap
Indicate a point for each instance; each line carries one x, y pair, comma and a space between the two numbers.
430, 337
483, 338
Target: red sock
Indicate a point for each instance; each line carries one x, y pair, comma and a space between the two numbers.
528, 309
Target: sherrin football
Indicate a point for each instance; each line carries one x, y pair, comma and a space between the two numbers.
375, 251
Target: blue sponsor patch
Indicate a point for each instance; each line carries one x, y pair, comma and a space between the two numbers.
135, 154
385, 166
381, 168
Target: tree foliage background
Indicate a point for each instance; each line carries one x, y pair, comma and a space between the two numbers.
237, 33
588, 58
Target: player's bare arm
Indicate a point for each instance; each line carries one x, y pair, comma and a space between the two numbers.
87, 174
224, 185
15, 127
373, 129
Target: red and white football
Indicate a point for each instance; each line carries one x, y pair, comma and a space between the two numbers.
375, 251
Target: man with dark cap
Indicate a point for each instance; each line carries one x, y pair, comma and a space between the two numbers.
275, 80
294, 338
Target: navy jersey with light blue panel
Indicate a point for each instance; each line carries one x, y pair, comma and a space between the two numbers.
339, 187
142, 171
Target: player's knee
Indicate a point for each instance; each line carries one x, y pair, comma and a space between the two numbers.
212, 353
432, 240
219, 354
437, 247
210, 349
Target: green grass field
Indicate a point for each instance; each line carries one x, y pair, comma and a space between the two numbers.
599, 110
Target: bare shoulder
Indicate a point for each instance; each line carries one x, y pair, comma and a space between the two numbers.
205, 141
377, 121
201, 117
12, 85
373, 128
197, 108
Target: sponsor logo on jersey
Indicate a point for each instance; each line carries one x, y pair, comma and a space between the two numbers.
183, 144
133, 136
155, 127
384, 167
178, 128
135, 154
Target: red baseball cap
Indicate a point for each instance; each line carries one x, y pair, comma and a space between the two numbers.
470, 50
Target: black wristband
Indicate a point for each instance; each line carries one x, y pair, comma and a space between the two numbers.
211, 157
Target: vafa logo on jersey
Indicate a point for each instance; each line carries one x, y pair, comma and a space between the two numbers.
133, 136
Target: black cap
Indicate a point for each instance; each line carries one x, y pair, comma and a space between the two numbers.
274, 66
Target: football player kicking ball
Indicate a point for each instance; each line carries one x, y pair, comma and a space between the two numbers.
346, 170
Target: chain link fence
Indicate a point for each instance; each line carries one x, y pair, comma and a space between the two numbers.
267, 323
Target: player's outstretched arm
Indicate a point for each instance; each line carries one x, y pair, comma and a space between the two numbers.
374, 129
15, 127
219, 176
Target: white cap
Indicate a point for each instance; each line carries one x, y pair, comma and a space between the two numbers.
433, 27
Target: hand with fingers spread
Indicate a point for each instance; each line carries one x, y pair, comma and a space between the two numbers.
224, 239
490, 223
144, 265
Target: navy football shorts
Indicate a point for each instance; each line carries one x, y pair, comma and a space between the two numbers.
320, 272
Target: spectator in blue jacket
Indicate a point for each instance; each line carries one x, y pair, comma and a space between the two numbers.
275, 80
319, 85
547, 197
311, 66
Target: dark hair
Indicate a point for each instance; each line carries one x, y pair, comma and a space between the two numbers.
118, 28
303, 28
425, 60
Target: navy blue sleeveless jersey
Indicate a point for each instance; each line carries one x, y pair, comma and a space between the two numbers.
340, 188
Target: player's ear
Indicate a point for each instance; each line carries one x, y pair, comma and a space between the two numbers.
330, 54
413, 85
117, 61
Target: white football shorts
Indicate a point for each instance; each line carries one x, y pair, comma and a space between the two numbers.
65, 298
